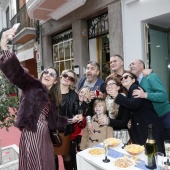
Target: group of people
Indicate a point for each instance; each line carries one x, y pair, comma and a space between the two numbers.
126, 100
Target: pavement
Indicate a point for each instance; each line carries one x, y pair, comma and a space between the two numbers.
9, 137
13, 136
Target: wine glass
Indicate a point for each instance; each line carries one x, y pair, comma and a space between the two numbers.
80, 114
167, 151
125, 137
106, 147
97, 91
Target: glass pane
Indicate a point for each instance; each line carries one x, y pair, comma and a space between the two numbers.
62, 66
67, 50
61, 51
55, 53
159, 58
67, 64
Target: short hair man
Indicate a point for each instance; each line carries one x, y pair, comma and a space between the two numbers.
91, 78
117, 65
155, 92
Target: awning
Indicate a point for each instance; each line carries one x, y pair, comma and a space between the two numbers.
50, 9
26, 55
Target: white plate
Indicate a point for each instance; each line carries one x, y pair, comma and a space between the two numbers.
96, 150
123, 159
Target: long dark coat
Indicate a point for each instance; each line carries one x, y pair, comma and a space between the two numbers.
34, 97
142, 114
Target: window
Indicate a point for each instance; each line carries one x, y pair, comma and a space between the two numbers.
63, 51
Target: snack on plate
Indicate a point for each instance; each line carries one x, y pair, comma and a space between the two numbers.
112, 141
124, 163
134, 149
96, 151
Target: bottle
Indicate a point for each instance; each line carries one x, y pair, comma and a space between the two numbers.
150, 149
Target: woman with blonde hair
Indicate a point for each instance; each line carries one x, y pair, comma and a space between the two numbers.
68, 107
83, 95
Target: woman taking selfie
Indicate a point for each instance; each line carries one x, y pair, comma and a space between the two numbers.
38, 107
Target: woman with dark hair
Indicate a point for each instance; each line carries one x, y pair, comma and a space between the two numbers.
37, 113
118, 116
142, 113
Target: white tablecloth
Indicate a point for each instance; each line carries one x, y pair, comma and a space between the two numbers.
87, 162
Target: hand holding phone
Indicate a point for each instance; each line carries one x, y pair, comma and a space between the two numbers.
15, 26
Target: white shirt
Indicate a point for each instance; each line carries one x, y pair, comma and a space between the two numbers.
140, 78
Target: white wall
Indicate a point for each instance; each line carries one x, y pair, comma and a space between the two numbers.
134, 15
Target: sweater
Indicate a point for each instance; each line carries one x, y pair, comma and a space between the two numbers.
156, 93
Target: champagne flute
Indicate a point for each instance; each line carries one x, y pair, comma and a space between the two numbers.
167, 151
80, 114
125, 137
106, 147
97, 91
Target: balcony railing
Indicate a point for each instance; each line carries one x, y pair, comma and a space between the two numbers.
23, 18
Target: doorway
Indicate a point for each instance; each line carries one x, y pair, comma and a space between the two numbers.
159, 53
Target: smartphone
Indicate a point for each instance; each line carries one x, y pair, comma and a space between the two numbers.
16, 27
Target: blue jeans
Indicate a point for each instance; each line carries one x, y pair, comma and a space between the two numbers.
165, 119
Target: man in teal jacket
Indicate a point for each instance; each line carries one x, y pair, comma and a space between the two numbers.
155, 92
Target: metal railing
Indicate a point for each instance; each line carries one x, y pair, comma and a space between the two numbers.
23, 18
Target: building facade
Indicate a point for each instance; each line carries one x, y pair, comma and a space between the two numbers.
14, 11
93, 31
146, 35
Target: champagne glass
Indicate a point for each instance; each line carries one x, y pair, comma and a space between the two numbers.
97, 91
125, 137
106, 147
167, 151
80, 114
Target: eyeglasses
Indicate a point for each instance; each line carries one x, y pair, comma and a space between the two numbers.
110, 84
50, 73
69, 77
125, 77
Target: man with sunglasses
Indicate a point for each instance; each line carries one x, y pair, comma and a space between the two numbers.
155, 92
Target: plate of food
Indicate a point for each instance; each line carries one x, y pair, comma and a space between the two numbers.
134, 149
123, 163
112, 142
96, 151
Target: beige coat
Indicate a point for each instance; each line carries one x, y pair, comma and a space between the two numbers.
101, 133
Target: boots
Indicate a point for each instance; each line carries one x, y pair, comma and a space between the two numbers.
56, 162
68, 165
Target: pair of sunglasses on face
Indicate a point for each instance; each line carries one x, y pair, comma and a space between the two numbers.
68, 77
46, 72
125, 77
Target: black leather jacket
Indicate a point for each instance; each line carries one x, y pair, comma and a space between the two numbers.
69, 107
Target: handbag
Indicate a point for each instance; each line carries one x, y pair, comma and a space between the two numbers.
56, 139
64, 148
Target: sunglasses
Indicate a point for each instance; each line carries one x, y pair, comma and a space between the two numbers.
50, 73
69, 77
110, 84
125, 77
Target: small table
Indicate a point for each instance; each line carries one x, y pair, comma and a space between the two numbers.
88, 162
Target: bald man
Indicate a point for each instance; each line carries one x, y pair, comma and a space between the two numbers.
154, 91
